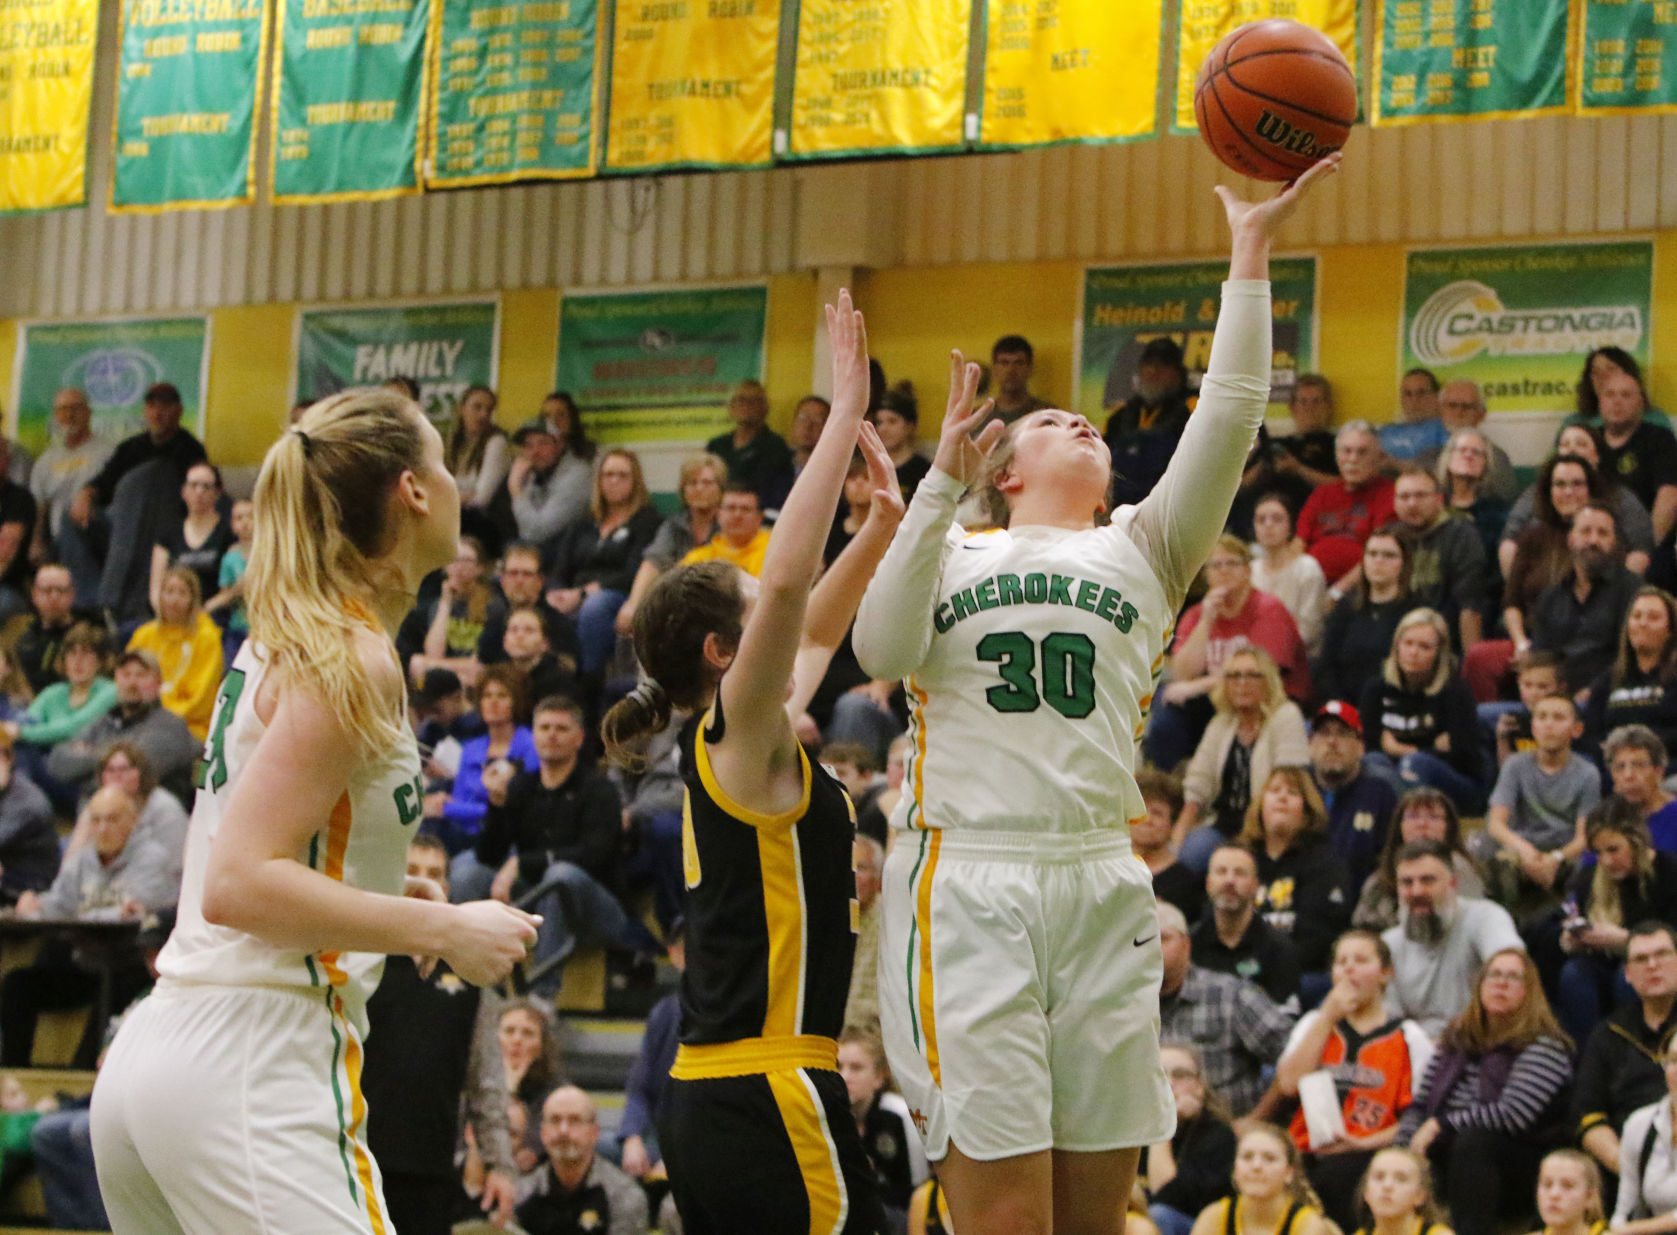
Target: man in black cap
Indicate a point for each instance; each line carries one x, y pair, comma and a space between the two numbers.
1144, 430
162, 438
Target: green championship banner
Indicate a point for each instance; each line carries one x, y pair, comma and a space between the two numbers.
46, 93
1067, 72
1126, 307
1203, 23
1520, 319
1629, 56
443, 347
659, 366
186, 102
349, 79
692, 84
881, 78
1469, 59
113, 362
514, 95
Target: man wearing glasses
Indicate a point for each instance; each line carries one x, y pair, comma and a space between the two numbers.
1621, 1067
523, 583
39, 650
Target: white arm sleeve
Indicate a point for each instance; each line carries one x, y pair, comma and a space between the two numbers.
1176, 525
893, 630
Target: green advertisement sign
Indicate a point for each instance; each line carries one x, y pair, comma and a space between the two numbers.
113, 362
186, 103
347, 91
1436, 59
515, 91
443, 347
1126, 307
1630, 56
659, 366
1520, 319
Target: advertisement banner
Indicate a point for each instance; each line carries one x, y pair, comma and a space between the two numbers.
113, 362
1629, 57
349, 80
659, 366
1064, 72
692, 85
1461, 59
515, 95
1519, 319
881, 78
186, 102
444, 347
1205, 22
46, 91
1126, 307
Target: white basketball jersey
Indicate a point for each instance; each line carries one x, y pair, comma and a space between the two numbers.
364, 844
1026, 711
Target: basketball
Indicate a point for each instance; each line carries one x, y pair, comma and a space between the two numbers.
1274, 97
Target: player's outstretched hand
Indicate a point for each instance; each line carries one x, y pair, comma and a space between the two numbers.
1267, 216
888, 504
486, 939
959, 454
847, 334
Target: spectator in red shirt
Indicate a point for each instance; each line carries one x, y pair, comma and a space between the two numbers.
1339, 516
1242, 616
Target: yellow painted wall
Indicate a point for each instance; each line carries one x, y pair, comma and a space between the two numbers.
914, 317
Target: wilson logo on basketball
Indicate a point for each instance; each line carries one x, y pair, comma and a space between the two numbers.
1278, 132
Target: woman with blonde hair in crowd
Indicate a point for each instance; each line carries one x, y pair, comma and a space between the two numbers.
1569, 1194
1395, 1196
230, 1100
1272, 1193
462, 608
1629, 883
1493, 1096
478, 455
1254, 729
1647, 1199
699, 485
187, 644
1419, 718
596, 559
1286, 571
1303, 889
1375, 1061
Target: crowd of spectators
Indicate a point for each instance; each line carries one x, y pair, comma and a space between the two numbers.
1406, 811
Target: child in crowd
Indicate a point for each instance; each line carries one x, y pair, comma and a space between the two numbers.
857, 769
231, 582
1396, 1196
882, 1118
1539, 675
1569, 1194
1535, 828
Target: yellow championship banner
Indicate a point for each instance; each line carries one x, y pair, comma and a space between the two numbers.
886, 77
1205, 22
46, 95
692, 84
1064, 71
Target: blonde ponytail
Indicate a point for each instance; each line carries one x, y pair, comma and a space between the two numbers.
322, 516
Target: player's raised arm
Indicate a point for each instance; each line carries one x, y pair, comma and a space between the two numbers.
894, 624
1178, 522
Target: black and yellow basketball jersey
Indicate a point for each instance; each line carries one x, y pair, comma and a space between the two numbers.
771, 906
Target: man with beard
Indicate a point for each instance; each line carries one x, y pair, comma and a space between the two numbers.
578, 1192
1144, 430
1581, 616
1235, 938
1359, 806
1442, 938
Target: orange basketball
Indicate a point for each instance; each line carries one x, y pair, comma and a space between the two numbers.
1274, 97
